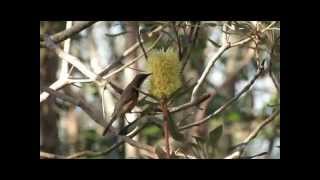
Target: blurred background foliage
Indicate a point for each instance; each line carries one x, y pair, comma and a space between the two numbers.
66, 129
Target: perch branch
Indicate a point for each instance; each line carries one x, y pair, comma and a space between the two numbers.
97, 117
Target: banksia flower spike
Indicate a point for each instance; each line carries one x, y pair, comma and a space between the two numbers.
165, 80
165, 68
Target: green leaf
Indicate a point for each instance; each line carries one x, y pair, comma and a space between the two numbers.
174, 130
234, 116
215, 135
160, 152
151, 131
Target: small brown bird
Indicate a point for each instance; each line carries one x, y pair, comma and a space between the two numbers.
128, 100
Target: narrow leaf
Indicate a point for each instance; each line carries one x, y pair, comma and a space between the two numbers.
215, 135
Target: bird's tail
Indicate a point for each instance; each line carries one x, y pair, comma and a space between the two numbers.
113, 118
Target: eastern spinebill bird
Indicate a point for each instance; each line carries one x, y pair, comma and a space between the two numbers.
127, 101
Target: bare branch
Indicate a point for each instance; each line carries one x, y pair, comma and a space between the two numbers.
63, 35
188, 53
253, 134
221, 50
190, 104
93, 113
70, 59
214, 43
264, 123
128, 52
95, 116
44, 155
178, 39
60, 83
66, 48
141, 45
207, 69
132, 61
229, 102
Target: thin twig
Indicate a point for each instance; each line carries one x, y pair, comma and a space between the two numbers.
188, 53
229, 102
66, 48
129, 51
60, 83
132, 61
141, 45
92, 112
221, 50
70, 59
178, 39
63, 35
253, 134
117, 34
96, 116
189, 104
114, 146
45, 155
207, 69
214, 43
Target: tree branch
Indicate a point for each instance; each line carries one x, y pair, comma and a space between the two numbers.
229, 102
44, 155
221, 50
132, 61
189, 104
63, 35
60, 83
98, 118
253, 134
130, 50
70, 59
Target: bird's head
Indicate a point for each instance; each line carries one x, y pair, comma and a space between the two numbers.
138, 80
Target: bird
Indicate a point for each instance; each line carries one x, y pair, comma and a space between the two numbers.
127, 101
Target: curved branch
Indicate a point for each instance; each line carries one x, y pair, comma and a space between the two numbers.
253, 134
229, 102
